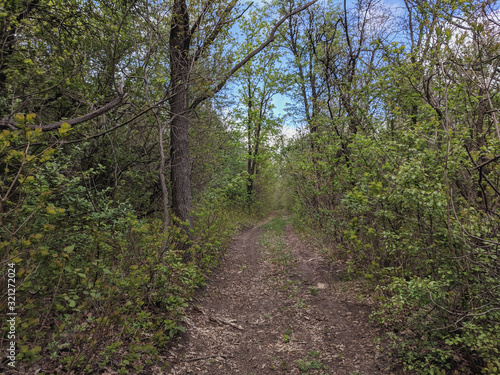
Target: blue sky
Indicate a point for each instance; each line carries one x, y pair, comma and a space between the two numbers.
281, 101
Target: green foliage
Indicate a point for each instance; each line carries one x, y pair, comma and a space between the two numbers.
402, 185
393, 225
305, 365
411, 311
397, 171
94, 288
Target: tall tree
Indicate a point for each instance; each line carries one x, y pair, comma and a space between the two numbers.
192, 34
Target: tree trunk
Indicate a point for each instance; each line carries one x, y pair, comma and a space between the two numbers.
182, 202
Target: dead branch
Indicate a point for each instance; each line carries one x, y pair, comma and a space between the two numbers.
6, 123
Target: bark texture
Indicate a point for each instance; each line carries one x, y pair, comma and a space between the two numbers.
180, 40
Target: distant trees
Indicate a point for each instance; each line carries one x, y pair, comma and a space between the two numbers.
259, 81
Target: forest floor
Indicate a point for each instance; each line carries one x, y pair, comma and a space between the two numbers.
275, 306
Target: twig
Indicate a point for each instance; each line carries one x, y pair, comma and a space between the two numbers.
487, 162
208, 357
219, 320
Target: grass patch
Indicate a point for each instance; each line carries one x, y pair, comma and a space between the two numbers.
277, 225
272, 239
305, 365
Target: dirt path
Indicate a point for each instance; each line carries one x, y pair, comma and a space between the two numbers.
276, 310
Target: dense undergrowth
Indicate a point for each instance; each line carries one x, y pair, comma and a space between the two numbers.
397, 217
397, 171
94, 289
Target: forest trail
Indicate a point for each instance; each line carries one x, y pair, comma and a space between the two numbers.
276, 309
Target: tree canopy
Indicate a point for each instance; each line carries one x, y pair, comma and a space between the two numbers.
137, 136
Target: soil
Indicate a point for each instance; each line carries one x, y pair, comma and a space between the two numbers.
255, 316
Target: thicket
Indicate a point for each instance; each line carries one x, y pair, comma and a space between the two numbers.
104, 269
95, 288
114, 120
397, 168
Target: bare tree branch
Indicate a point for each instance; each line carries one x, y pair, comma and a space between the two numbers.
218, 28
7, 123
270, 39
487, 162
197, 23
